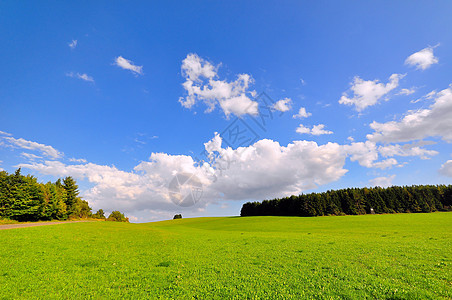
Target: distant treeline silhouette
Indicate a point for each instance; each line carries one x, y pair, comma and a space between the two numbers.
23, 198
357, 201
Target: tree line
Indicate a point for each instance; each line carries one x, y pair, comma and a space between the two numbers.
23, 198
357, 201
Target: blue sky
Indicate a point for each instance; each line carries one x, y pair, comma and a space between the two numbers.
124, 97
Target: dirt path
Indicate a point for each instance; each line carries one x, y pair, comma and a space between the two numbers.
12, 226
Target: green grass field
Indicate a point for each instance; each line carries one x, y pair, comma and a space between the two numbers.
402, 256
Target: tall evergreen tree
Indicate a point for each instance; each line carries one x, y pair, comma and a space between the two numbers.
72, 193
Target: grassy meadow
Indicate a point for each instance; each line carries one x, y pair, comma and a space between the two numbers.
400, 256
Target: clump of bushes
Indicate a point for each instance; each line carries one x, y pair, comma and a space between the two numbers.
117, 216
99, 215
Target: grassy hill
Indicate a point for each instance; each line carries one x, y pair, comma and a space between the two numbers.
369, 256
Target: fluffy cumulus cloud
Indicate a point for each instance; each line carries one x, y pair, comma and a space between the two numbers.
366, 154
368, 92
128, 65
422, 59
384, 181
30, 145
302, 113
315, 130
283, 105
267, 169
446, 169
435, 121
262, 170
202, 85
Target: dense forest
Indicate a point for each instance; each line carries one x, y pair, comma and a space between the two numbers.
357, 201
23, 198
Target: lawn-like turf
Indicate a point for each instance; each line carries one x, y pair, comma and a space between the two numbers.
405, 256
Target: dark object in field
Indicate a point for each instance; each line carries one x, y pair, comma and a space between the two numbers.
179, 216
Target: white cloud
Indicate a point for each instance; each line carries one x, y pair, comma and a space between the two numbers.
316, 130
83, 76
81, 160
446, 169
24, 144
406, 150
202, 85
436, 121
385, 164
193, 67
30, 156
368, 93
407, 91
302, 113
128, 65
214, 145
239, 106
73, 44
283, 105
367, 153
5, 133
299, 166
303, 129
428, 96
382, 181
422, 59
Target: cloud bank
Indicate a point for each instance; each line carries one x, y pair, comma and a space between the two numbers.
262, 170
